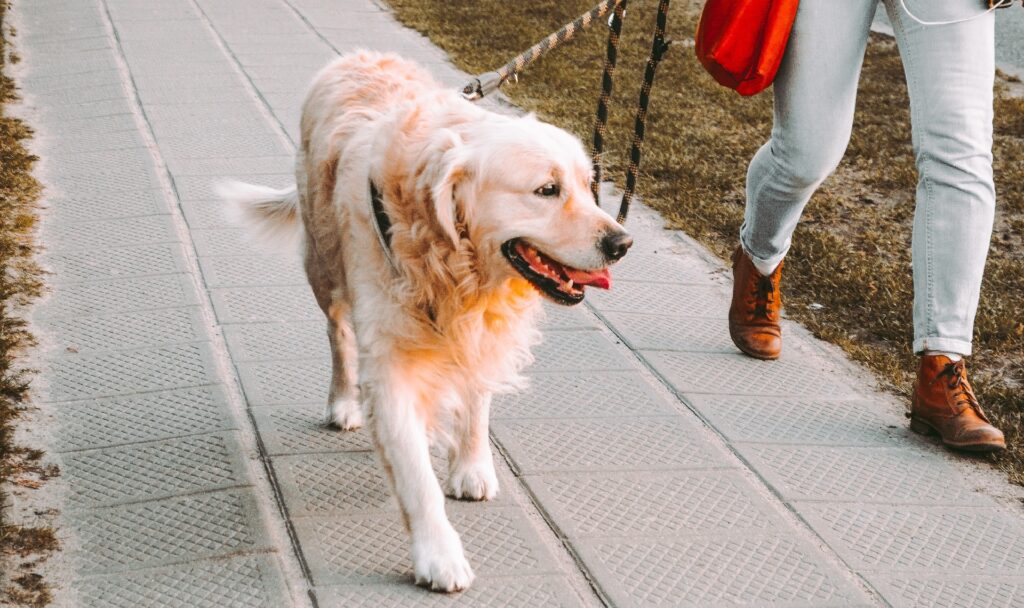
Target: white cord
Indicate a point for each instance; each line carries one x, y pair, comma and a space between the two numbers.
1000, 4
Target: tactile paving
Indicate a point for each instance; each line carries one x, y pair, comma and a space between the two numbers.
299, 429
269, 304
861, 475
662, 332
130, 371
119, 295
565, 317
333, 484
584, 394
663, 299
71, 206
887, 539
99, 423
127, 330
800, 420
240, 582
160, 532
654, 504
250, 271
116, 263
102, 234
606, 444
222, 241
517, 592
717, 570
498, 541
147, 471
950, 591
286, 382
662, 268
271, 341
741, 375
577, 351
205, 214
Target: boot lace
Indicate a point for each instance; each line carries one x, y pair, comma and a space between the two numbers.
764, 292
961, 387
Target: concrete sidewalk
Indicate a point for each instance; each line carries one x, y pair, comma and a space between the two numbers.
183, 374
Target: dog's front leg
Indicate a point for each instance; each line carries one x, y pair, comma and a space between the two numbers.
471, 473
400, 435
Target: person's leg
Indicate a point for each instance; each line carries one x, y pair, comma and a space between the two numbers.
950, 75
815, 94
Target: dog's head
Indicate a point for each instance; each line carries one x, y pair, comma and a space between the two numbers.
519, 190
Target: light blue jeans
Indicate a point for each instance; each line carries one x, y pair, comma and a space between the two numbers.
950, 72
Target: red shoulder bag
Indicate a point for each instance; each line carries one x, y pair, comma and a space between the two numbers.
741, 42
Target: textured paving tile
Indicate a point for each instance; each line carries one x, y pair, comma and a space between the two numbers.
286, 382
222, 241
299, 429
116, 263
954, 540
163, 532
130, 371
578, 351
497, 541
96, 423
652, 504
606, 444
151, 328
111, 476
800, 420
249, 271
241, 582
693, 373
254, 304
861, 475
589, 394
662, 268
518, 592
69, 206
119, 295
102, 234
660, 332
663, 299
273, 341
950, 591
566, 317
719, 570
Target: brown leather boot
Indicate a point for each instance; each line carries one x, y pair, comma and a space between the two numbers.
944, 404
754, 313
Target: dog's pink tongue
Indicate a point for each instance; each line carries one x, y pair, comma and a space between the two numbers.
601, 279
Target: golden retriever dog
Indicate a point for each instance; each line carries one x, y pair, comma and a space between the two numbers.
432, 228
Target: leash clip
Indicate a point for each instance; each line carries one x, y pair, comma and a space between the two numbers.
481, 86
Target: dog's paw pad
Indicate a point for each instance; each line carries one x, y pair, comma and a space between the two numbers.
344, 415
478, 482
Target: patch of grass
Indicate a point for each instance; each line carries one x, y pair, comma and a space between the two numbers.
851, 253
19, 284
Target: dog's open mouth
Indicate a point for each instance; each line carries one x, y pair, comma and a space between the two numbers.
563, 284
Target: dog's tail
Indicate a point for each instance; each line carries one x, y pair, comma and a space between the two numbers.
270, 215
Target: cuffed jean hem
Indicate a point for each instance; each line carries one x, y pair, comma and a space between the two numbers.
948, 345
760, 262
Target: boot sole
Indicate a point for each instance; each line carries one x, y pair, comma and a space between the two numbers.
923, 428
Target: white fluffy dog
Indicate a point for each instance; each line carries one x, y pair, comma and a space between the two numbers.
431, 229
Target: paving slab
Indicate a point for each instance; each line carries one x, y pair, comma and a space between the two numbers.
184, 371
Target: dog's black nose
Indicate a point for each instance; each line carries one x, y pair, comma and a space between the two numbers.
616, 245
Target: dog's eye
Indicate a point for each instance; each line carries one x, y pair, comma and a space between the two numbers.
551, 189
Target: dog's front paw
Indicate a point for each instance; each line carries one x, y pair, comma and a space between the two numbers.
440, 564
344, 414
476, 481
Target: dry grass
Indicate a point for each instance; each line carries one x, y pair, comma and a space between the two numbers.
851, 253
20, 546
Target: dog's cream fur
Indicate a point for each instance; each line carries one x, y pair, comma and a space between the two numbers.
454, 322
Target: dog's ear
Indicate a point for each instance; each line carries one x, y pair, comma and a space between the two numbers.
452, 168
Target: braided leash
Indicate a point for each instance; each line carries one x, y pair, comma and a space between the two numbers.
658, 48
601, 122
488, 82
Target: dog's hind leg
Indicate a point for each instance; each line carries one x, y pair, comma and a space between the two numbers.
344, 410
400, 434
471, 473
